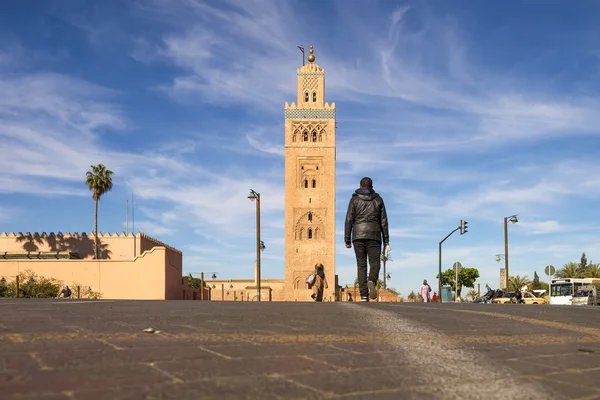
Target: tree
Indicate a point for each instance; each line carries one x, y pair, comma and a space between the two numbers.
536, 281
570, 270
516, 282
99, 181
412, 296
593, 271
583, 262
466, 277
384, 260
472, 294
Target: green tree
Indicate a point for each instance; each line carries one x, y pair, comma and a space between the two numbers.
593, 271
466, 278
195, 282
412, 295
583, 262
570, 270
516, 282
99, 181
536, 281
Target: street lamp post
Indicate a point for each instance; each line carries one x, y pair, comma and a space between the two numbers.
214, 276
514, 220
256, 196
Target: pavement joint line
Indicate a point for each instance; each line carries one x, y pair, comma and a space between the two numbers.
319, 361
174, 379
226, 357
296, 383
338, 348
107, 343
41, 364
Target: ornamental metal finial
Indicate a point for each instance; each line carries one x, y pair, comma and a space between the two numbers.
311, 57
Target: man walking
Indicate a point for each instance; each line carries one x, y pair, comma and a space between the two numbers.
366, 227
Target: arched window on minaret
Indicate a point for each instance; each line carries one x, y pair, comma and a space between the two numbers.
306, 183
306, 97
314, 97
310, 217
305, 136
314, 136
310, 233
314, 183
321, 134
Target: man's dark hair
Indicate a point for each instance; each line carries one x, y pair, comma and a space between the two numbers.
366, 182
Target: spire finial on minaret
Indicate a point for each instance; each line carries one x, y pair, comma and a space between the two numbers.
311, 57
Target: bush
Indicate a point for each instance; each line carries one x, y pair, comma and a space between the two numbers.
32, 286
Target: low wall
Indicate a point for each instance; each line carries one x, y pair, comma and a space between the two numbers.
143, 278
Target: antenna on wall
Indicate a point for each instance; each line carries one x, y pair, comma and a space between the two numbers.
133, 226
302, 50
126, 217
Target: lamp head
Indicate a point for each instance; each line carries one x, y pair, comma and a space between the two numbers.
253, 195
514, 219
214, 276
498, 257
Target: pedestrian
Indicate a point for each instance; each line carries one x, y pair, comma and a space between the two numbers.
434, 297
366, 227
425, 290
320, 283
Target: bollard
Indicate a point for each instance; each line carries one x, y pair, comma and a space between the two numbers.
78, 292
17, 286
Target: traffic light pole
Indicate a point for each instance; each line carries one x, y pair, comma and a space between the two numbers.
463, 229
440, 265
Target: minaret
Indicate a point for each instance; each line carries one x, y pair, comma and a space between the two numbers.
310, 154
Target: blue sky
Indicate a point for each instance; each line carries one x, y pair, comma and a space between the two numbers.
456, 109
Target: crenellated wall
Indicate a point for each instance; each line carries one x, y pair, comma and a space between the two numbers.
115, 246
130, 266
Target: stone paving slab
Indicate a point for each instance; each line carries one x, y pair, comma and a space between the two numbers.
210, 350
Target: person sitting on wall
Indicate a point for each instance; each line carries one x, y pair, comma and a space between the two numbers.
66, 292
320, 283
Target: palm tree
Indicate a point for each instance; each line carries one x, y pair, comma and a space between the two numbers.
516, 282
472, 294
99, 181
593, 271
412, 296
570, 270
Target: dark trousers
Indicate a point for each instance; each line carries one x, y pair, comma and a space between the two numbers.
362, 249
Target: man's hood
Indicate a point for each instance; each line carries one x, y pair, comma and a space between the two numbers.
366, 194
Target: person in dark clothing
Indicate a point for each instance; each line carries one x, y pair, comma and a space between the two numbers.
66, 292
366, 227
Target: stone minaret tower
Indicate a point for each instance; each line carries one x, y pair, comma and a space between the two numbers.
310, 154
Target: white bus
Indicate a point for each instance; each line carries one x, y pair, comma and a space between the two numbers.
562, 289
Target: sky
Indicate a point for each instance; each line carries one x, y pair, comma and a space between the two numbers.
456, 109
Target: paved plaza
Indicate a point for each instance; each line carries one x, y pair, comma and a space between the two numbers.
72, 349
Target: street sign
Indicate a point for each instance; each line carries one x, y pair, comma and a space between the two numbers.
457, 267
550, 270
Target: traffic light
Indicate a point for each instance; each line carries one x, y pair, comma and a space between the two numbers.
463, 226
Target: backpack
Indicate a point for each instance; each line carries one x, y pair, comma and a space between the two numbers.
311, 279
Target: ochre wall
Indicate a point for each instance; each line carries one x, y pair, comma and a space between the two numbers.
156, 274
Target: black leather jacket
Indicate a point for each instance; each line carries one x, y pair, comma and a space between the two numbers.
366, 217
